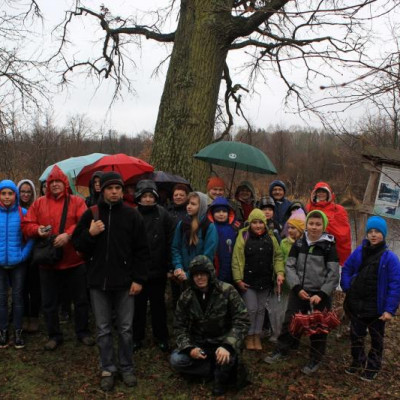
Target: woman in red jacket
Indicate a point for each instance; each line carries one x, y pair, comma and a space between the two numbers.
322, 198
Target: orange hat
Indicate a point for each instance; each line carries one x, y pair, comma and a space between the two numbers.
214, 181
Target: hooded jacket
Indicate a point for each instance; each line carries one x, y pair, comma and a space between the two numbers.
388, 285
47, 210
227, 232
281, 206
223, 323
313, 266
239, 258
30, 183
13, 248
182, 252
94, 196
238, 206
339, 225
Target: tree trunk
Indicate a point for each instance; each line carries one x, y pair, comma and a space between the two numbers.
186, 116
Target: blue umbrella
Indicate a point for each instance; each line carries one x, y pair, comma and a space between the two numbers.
72, 166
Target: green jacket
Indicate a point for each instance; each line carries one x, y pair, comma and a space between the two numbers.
286, 245
238, 258
224, 322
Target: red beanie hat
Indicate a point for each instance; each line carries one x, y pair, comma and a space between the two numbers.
214, 181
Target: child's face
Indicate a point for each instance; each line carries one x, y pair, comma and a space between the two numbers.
193, 206
374, 236
315, 227
293, 232
257, 226
221, 216
216, 192
7, 197
322, 195
148, 199
268, 212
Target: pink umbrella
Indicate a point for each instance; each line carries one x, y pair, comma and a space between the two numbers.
126, 166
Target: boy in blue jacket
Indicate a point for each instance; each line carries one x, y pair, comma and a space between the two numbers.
371, 280
13, 252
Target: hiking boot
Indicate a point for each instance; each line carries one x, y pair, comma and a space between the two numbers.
107, 381
311, 367
33, 326
368, 375
19, 342
51, 345
249, 342
136, 345
87, 341
3, 339
257, 342
218, 388
129, 379
354, 369
276, 356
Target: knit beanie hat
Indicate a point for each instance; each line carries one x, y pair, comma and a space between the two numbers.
377, 223
325, 220
257, 214
213, 182
110, 178
298, 220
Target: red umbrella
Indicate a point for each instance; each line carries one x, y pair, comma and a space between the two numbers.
126, 166
313, 323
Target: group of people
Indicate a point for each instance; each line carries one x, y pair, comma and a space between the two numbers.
236, 266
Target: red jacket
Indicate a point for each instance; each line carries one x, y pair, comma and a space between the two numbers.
47, 210
338, 225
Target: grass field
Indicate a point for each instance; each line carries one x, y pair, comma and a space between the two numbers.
72, 372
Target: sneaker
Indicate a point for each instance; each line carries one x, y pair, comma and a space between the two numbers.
51, 345
87, 341
354, 369
129, 379
311, 367
368, 375
275, 357
3, 339
19, 342
107, 381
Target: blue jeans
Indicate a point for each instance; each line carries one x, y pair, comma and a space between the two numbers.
103, 305
13, 277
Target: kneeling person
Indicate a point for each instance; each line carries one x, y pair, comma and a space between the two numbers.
210, 324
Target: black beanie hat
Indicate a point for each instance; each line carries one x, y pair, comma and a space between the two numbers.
110, 178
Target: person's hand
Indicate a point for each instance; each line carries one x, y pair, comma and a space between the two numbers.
222, 356
135, 289
315, 299
61, 240
180, 274
280, 279
196, 354
41, 233
386, 316
96, 227
242, 286
304, 295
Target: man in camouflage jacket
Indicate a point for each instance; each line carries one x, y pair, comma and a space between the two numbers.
210, 324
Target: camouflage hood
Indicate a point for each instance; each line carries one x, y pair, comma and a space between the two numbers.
202, 264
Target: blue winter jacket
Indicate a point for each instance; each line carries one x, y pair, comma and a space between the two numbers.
13, 248
388, 278
281, 206
182, 253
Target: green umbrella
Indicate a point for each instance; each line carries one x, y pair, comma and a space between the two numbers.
71, 167
237, 155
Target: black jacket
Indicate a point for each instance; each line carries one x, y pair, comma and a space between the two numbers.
119, 255
160, 228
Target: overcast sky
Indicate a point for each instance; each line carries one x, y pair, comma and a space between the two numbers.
138, 111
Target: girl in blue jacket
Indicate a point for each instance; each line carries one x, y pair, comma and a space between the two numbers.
13, 252
371, 280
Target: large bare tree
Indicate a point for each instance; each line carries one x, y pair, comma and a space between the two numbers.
304, 41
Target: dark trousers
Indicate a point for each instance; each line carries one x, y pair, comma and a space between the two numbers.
32, 292
74, 279
154, 291
286, 341
358, 332
183, 363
